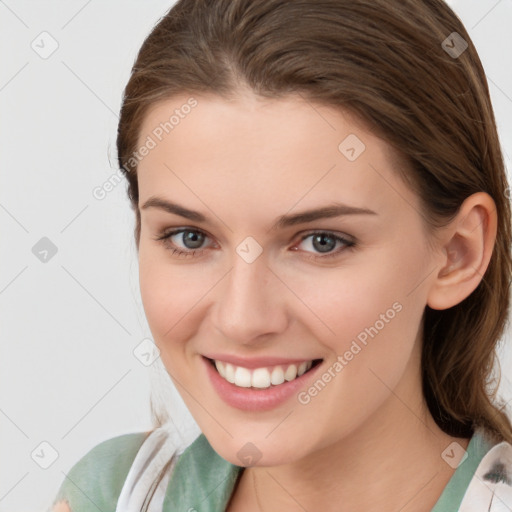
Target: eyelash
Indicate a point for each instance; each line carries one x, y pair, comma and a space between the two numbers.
164, 239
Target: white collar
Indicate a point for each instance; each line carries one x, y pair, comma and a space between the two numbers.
490, 489
147, 481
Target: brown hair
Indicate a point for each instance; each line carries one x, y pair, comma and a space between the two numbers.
386, 62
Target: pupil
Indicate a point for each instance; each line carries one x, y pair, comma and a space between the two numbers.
195, 238
324, 247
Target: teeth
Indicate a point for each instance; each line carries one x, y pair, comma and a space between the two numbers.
301, 370
220, 368
291, 372
242, 377
261, 378
230, 373
277, 376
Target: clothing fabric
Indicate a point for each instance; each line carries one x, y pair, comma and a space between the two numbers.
145, 472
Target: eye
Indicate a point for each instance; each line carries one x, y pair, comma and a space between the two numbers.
192, 239
324, 242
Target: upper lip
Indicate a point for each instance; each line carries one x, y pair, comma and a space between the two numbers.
256, 362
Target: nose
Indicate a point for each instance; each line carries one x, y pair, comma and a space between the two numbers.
250, 303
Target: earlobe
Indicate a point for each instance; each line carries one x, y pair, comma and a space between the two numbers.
465, 252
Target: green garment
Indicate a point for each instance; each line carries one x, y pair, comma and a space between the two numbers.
95, 481
202, 481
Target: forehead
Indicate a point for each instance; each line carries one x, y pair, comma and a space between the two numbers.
253, 151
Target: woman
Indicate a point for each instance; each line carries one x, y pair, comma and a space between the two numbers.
324, 233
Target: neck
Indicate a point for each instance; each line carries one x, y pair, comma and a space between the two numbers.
392, 462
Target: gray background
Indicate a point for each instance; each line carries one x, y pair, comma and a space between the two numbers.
70, 324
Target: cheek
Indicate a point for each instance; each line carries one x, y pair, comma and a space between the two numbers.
369, 315
171, 295
344, 303
375, 324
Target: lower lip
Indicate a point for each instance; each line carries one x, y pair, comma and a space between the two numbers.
250, 399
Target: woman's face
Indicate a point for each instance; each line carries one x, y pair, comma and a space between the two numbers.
254, 279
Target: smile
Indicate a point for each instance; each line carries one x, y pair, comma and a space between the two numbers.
261, 378
258, 384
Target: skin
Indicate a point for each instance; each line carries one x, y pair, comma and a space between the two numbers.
367, 440
61, 506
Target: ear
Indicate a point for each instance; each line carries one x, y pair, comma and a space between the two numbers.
466, 248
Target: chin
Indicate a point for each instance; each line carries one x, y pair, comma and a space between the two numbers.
255, 450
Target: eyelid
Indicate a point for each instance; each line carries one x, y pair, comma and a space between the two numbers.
167, 233
337, 234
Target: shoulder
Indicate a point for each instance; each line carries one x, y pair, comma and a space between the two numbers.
96, 480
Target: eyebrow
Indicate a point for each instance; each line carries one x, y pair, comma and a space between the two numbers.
333, 210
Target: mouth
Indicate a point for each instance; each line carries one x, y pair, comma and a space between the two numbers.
264, 377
